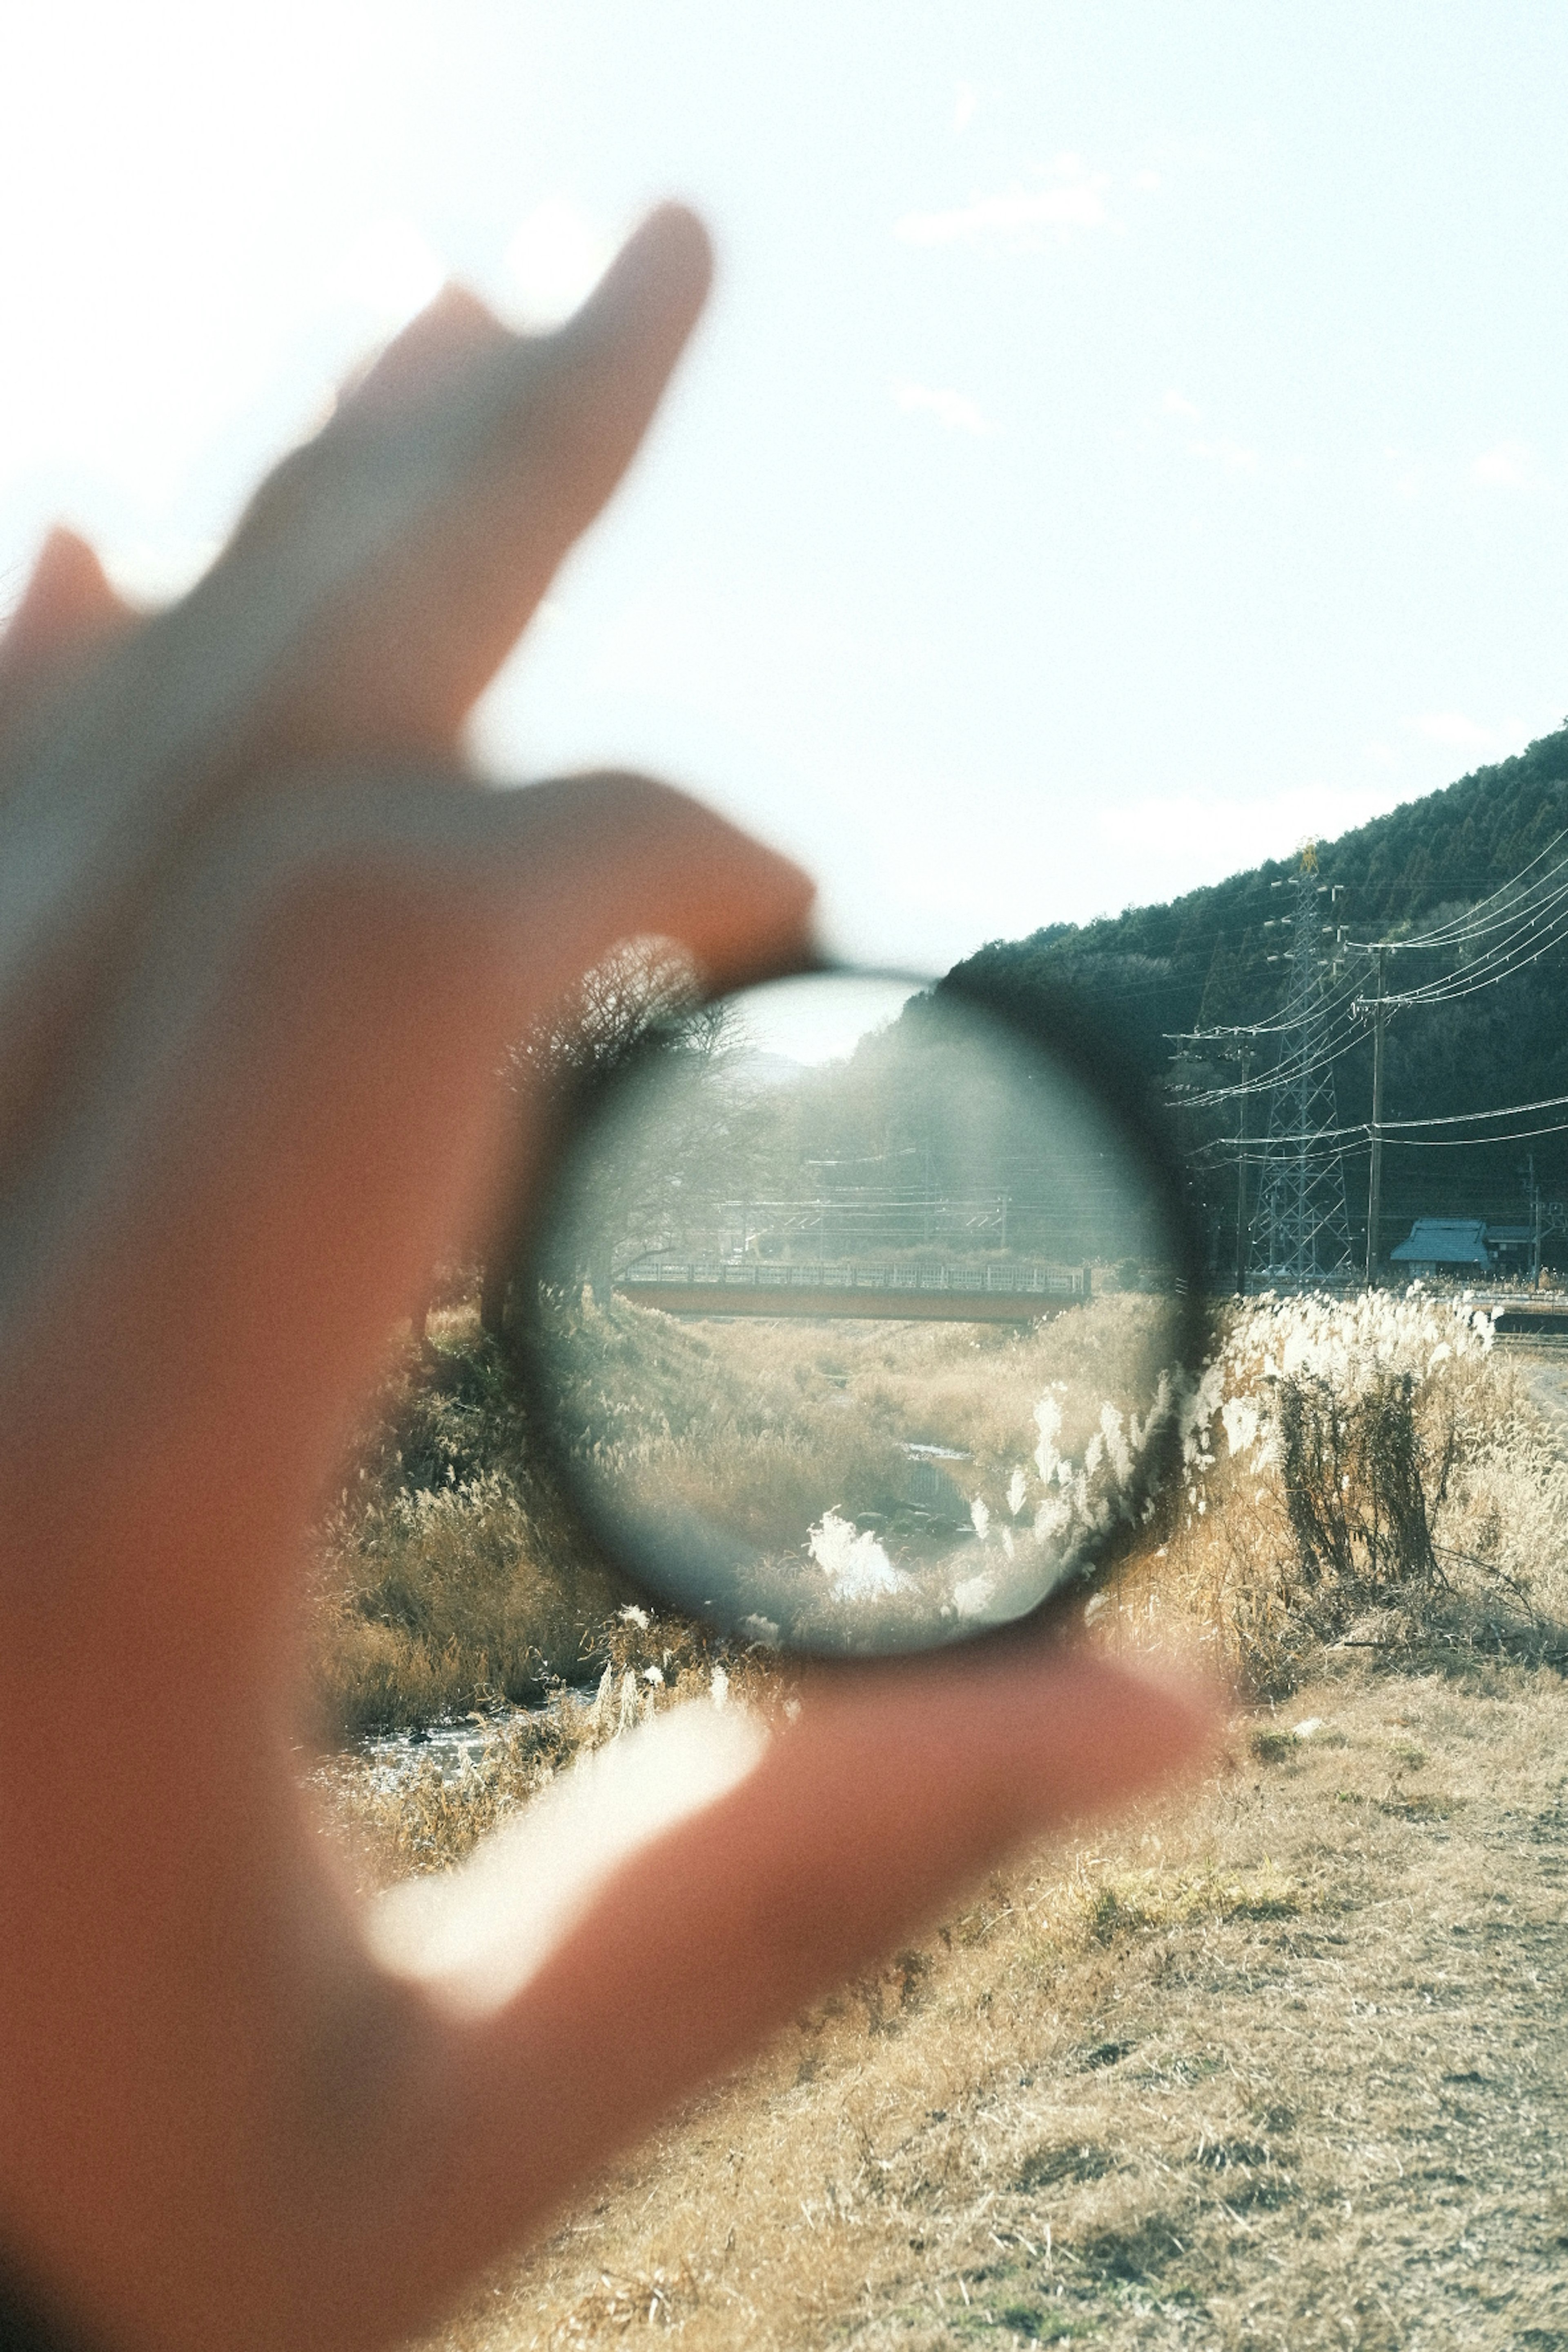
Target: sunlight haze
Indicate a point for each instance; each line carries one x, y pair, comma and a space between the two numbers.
1123, 441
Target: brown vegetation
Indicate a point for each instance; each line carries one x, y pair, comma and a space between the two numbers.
447, 1576
1281, 2065
1285, 2067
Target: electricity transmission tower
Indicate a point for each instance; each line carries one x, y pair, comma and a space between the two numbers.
1300, 1228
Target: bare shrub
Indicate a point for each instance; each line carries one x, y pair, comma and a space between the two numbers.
1356, 1473
1361, 1469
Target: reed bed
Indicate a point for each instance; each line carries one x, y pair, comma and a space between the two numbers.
1369, 1473
1363, 1470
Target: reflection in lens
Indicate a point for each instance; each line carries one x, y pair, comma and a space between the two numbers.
856, 1317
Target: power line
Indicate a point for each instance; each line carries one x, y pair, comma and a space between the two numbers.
1532, 921
1522, 918
1442, 933
1399, 1128
1475, 1142
1357, 1140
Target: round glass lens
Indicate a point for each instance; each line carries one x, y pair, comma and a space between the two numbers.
858, 1316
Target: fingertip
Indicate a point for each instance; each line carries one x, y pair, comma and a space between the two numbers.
682, 243
659, 280
671, 244
1147, 1721
68, 599
634, 856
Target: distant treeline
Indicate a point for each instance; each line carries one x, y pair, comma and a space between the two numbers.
1205, 959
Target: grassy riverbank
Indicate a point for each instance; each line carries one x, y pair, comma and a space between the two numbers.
1284, 2065
1369, 1460
446, 1578
449, 1578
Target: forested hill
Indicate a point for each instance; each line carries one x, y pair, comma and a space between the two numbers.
1205, 959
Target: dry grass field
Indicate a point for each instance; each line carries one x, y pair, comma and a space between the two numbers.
1286, 2065
1286, 2068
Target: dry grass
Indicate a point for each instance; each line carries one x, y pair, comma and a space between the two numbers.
447, 1576
404, 1819
764, 1429
1282, 2066
970, 1386
1245, 1569
1287, 2067
770, 1422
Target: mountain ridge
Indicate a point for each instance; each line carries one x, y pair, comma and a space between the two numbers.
1219, 955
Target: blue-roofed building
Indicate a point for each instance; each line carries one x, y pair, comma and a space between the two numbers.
1444, 1245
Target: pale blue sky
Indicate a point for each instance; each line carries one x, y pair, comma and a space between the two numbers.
1125, 438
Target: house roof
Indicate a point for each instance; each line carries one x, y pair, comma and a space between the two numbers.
1445, 1241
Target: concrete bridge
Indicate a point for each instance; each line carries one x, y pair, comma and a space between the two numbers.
925, 1291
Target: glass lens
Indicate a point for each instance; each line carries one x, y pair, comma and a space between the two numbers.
857, 1319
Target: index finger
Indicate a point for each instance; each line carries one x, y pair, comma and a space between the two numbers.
372, 588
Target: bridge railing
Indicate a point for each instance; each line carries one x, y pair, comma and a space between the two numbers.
1034, 1281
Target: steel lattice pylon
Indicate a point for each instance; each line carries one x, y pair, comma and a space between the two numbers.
1300, 1228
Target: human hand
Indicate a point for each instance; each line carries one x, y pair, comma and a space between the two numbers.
263, 943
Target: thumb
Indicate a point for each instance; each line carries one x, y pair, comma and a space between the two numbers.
607, 1958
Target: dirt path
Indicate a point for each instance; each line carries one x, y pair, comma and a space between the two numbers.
1289, 2068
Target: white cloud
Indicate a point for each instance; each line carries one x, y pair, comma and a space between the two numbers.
1506, 467
1216, 449
965, 99
1022, 217
1451, 728
958, 414
554, 260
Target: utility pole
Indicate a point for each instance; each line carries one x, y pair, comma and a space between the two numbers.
1245, 1060
1375, 1188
